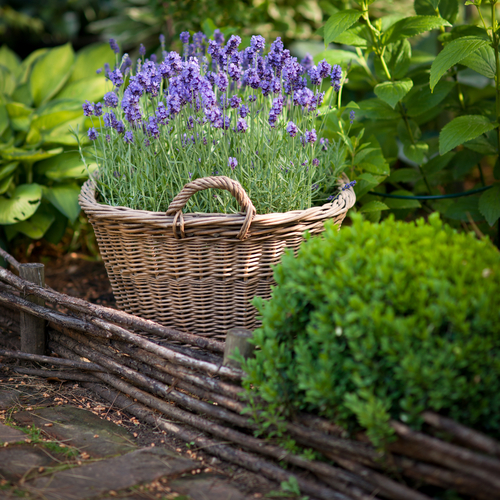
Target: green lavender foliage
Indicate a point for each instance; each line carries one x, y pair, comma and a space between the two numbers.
382, 321
426, 86
40, 167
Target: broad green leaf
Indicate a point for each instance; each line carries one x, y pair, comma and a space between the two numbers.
89, 59
375, 109
9, 168
20, 115
338, 23
416, 152
459, 209
405, 175
336, 57
420, 99
357, 36
28, 156
464, 161
489, 204
7, 81
366, 182
50, 73
437, 163
393, 92
4, 118
92, 89
5, 184
482, 61
373, 206
22, 94
22, 205
421, 57
398, 57
208, 27
36, 226
65, 199
448, 9
463, 129
65, 166
23, 72
412, 26
452, 54
9, 59
481, 145
51, 120
396, 203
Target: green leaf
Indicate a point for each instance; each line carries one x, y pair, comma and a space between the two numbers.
393, 92
4, 119
458, 210
338, 23
22, 94
9, 59
65, 166
420, 99
412, 26
332, 57
28, 156
6, 170
50, 120
92, 89
36, 226
405, 175
489, 204
5, 184
50, 73
20, 115
398, 57
464, 161
7, 81
89, 59
21, 205
57, 229
481, 145
482, 61
416, 152
448, 9
25, 68
373, 206
453, 53
357, 36
463, 129
438, 163
397, 204
208, 27
65, 199
375, 109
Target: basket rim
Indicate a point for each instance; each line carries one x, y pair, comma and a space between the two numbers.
90, 206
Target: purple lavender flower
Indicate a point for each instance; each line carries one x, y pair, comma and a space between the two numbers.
118, 126
234, 71
142, 50
315, 162
98, 71
248, 57
275, 110
242, 125
311, 136
93, 134
349, 185
218, 37
173, 104
232, 162
258, 43
153, 58
162, 39
98, 109
251, 78
128, 137
324, 144
336, 76
152, 127
227, 122
108, 118
352, 115
324, 68
315, 187
251, 98
161, 113
111, 99
116, 77
303, 97
108, 138
314, 76
307, 62
244, 110
235, 101
126, 63
292, 129
184, 36
114, 45
266, 87
146, 142
88, 108
232, 45
222, 82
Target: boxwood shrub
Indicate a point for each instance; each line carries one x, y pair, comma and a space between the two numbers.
382, 321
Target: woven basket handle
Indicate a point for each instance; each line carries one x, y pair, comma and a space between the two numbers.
219, 182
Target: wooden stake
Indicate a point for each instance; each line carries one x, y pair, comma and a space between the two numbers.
33, 328
238, 338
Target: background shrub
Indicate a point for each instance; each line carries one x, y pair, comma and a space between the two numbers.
383, 321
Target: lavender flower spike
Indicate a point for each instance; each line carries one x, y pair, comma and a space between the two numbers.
292, 129
311, 136
352, 115
88, 108
336, 76
232, 162
114, 45
93, 134
184, 36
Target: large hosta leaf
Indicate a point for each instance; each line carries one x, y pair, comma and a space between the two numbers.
36, 226
65, 199
21, 205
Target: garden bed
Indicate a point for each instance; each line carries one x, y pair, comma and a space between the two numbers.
176, 381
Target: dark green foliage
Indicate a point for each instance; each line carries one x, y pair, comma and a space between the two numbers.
382, 321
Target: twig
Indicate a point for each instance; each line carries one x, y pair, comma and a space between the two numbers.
63, 375
8, 258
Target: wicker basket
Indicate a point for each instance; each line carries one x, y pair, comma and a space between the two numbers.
198, 272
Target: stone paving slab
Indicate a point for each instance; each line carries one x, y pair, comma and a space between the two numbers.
8, 399
113, 474
207, 487
79, 428
10, 435
16, 461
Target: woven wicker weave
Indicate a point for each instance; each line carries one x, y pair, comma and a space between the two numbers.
198, 272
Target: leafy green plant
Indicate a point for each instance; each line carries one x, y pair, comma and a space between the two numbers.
40, 166
427, 88
382, 321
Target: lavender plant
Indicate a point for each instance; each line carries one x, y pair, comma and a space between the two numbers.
215, 110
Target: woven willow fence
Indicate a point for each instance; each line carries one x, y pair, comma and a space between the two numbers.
177, 382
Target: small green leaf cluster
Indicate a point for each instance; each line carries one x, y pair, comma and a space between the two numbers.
433, 105
382, 321
40, 167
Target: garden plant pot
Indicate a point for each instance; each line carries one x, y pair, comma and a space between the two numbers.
198, 272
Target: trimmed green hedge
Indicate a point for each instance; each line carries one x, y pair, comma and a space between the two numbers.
381, 321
